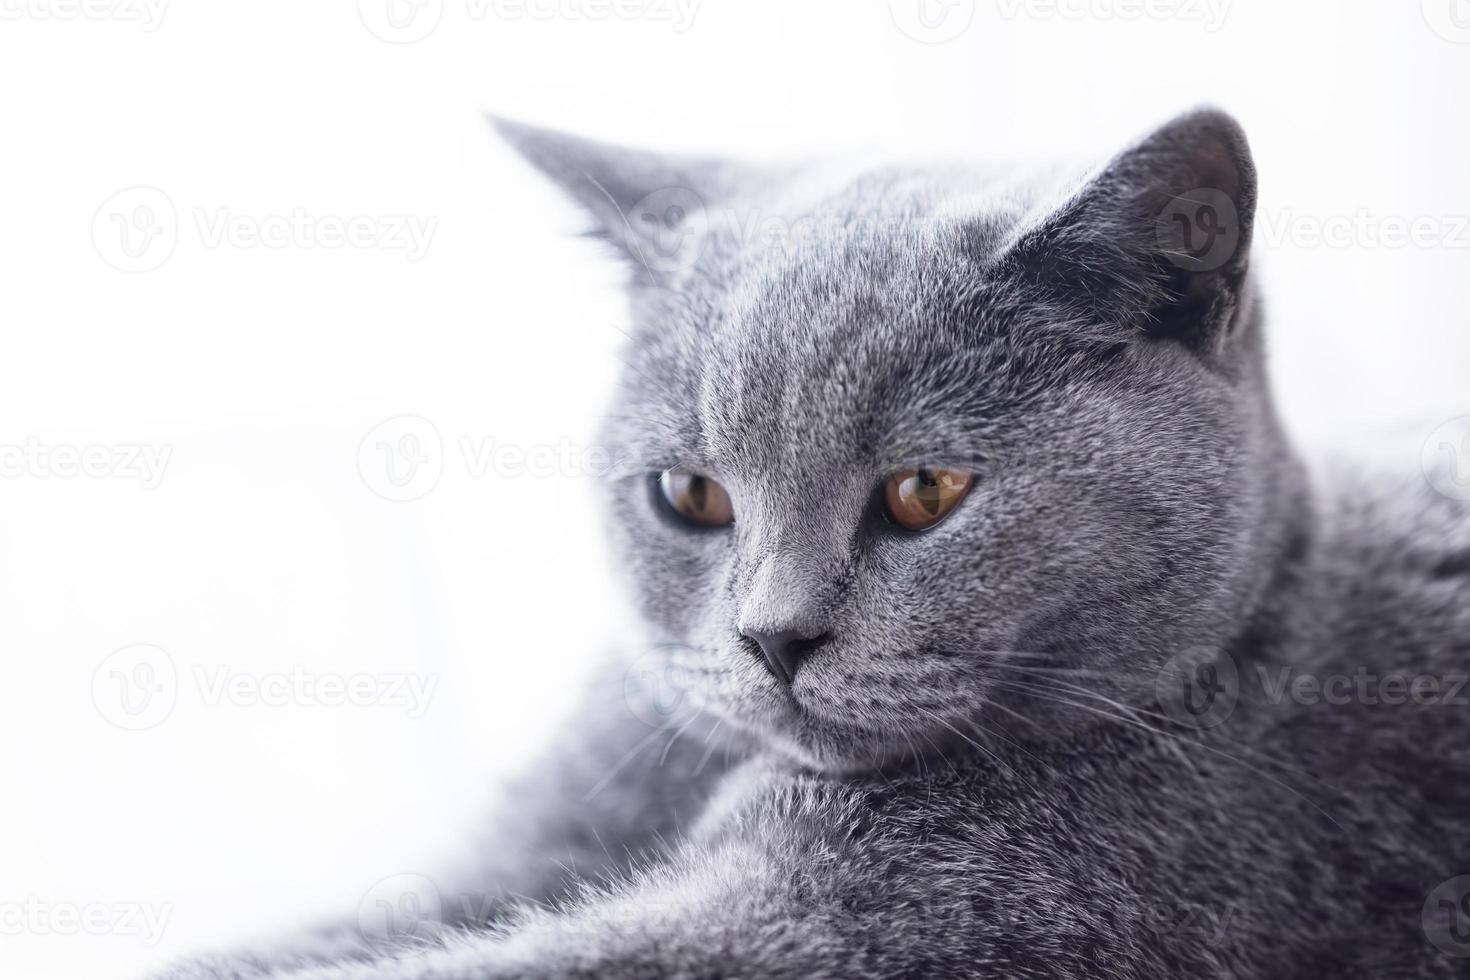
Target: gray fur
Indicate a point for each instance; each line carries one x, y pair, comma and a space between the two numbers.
981, 774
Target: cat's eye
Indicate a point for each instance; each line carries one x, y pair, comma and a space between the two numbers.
696, 498
920, 498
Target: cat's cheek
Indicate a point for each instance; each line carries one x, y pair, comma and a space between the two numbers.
671, 572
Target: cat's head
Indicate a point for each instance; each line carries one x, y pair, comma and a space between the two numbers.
909, 455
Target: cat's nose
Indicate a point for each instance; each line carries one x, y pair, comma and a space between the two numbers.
783, 650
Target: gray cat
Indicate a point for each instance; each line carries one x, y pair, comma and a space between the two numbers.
1010, 638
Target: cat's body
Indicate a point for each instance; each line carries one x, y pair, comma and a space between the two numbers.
1064, 733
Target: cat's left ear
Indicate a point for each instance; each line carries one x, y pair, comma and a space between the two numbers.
1157, 241
655, 209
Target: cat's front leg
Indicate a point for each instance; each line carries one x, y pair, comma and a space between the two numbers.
719, 926
620, 781
775, 884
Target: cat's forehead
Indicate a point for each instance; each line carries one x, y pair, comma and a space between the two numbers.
826, 354
862, 328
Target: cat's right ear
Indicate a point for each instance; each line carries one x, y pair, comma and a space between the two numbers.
654, 209
1157, 242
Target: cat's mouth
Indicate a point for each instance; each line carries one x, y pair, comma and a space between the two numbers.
810, 732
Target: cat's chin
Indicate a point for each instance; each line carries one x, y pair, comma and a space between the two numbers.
807, 741
839, 756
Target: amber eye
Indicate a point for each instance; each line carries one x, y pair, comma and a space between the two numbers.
697, 499
920, 498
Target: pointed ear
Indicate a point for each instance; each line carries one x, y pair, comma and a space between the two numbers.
652, 208
1157, 241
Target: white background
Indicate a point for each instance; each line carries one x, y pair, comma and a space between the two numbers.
262, 368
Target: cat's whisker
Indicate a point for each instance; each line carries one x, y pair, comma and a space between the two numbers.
1016, 714
1128, 713
1000, 657
1032, 691
918, 757
939, 751
1140, 713
987, 752
1052, 677
622, 763
675, 737
710, 746
1006, 737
